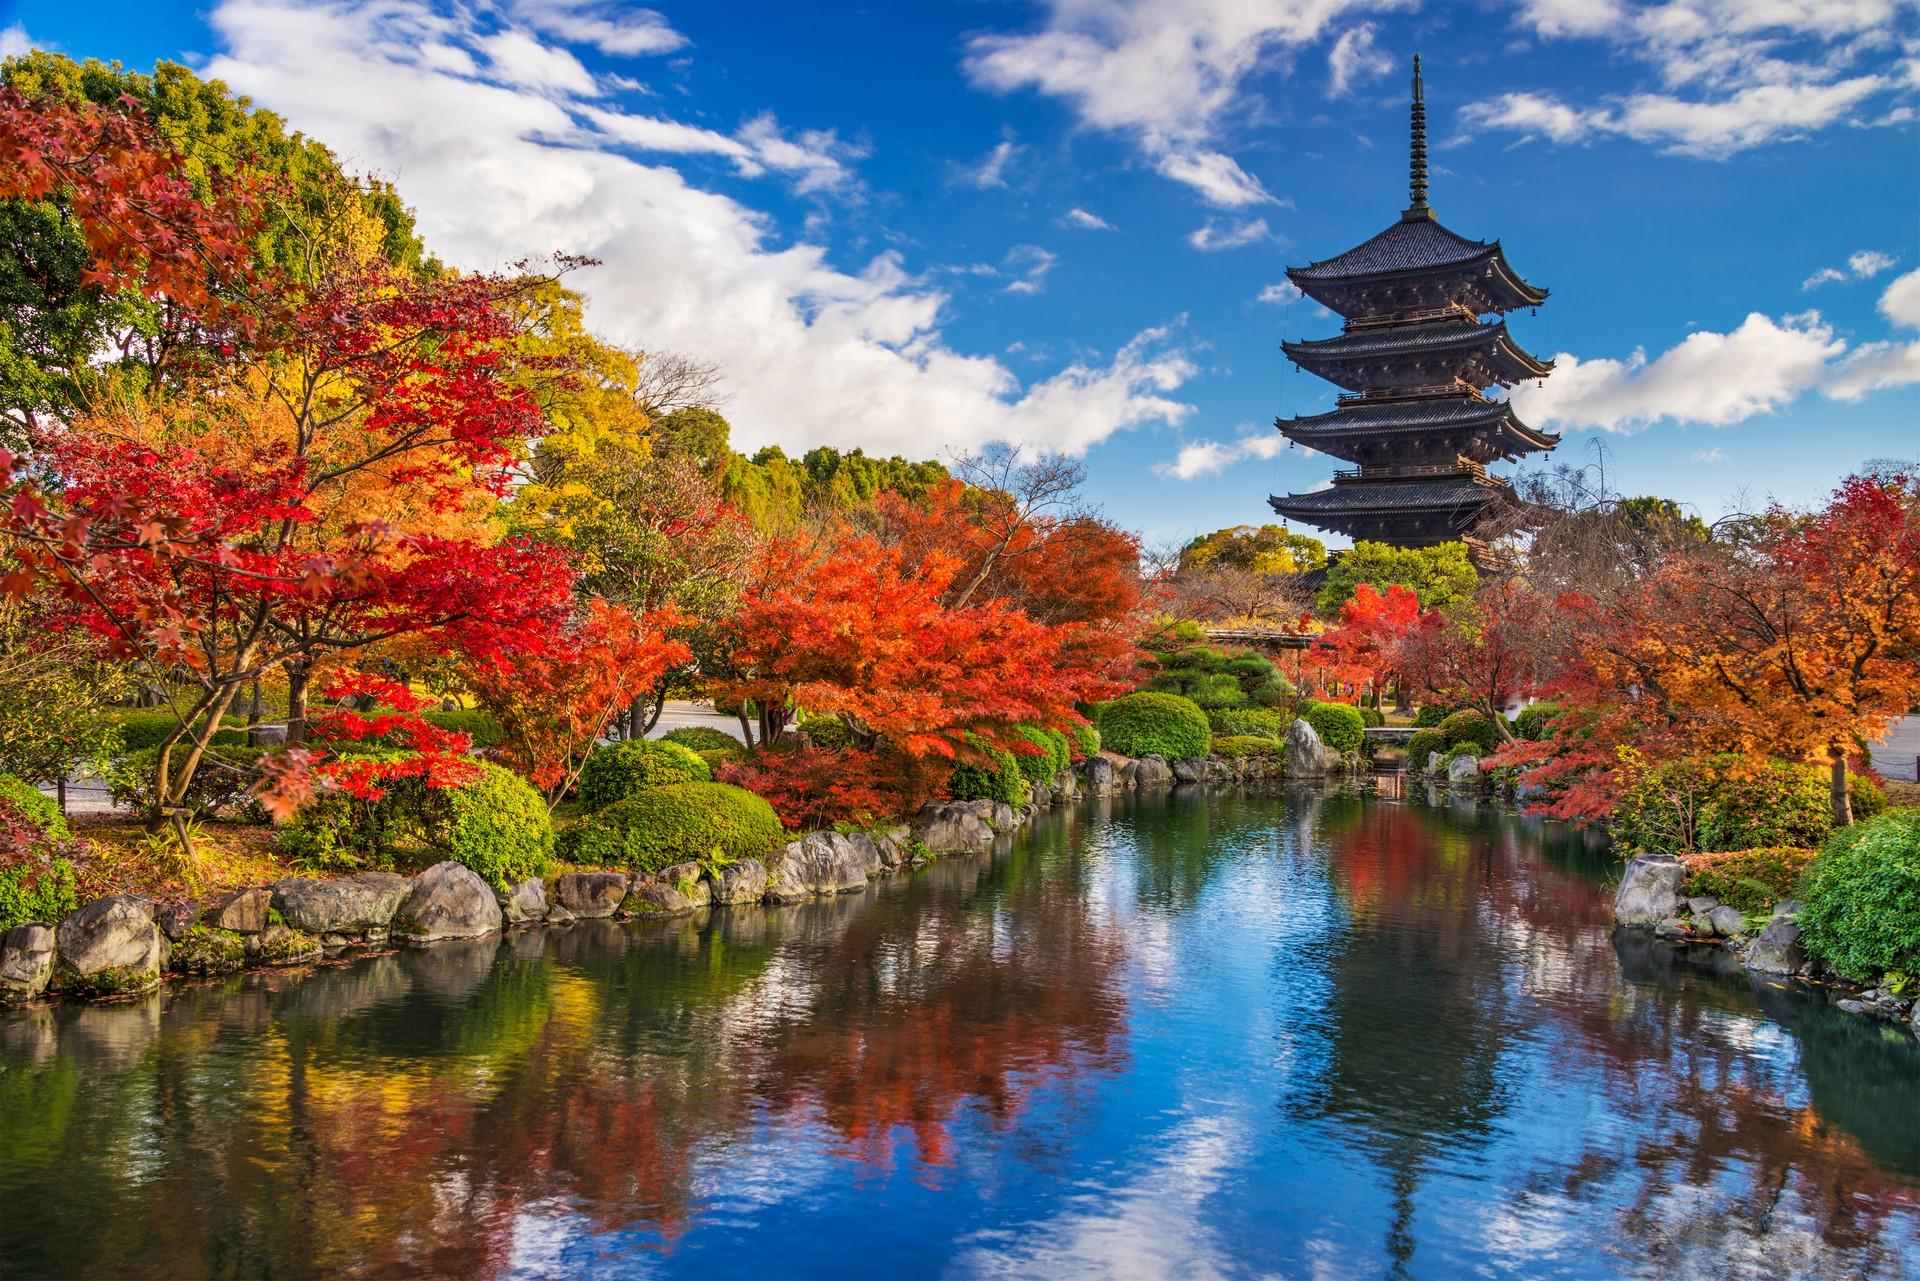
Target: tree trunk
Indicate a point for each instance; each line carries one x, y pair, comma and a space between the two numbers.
746, 726
296, 704
253, 705
636, 717
659, 705
1842, 804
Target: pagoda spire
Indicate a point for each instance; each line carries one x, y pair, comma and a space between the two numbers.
1417, 183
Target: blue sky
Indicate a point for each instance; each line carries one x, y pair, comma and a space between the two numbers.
922, 227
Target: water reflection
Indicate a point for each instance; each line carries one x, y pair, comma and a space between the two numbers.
1299, 1034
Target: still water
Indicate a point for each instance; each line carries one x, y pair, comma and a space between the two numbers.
1287, 1036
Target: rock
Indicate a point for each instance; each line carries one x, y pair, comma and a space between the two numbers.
243, 911
1100, 777
176, 918
1852, 1006
1042, 796
1787, 907
819, 863
449, 901
1153, 771
1778, 950
1672, 927
1003, 818
347, 905
26, 962
591, 894
1701, 904
1728, 921
893, 845
205, 950
738, 884
110, 947
1914, 1025
1307, 756
1463, 769
953, 829
868, 850
677, 890
280, 945
267, 736
525, 902
1066, 785
1191, 771
1436, 763
558, 915
1650, 891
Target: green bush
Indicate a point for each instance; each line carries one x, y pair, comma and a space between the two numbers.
1430, 715
1258, 722
1751, 880
653, 830
620, 770
1338, 725
1866, 797
702, 738
717, 756
1423, 744
1150, 724
36, 872
143, 728
1860, 902
1459, 750
1470, 727
483, 729
1054, 755
1086, 741
498, 827
1534, 721
1212, 679
221, 781
827, 731
1723, 803
1235, 747
996, 779
1372, 717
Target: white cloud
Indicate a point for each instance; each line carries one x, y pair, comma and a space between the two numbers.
814, 353
1868, 263
1824, 276
1219, 235
1572, 17
1714, 455
816, 159
1033, 263
1280, 295
814, 156
610, 28
1901, 302
991, 169
1084, 221
14, 41
1354, 59
1166, 77
1716, 379
519, 59
1530, 115
1206, 457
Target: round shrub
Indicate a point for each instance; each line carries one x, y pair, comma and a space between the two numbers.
1430, 715
1235, 747
1240, 722
1338, 725
1150, 724
36, 874
1866, 797
1751, 880
1423, 744
702, 738
483, 729
718, 756
1086, 741
1722, 803
1535, 721
1470, 727
1860, 902
1054, 755
499, 828
620, 770
1372, 717
996, 779
652, 830
827, 731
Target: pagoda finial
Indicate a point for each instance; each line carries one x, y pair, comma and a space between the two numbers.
1417, 183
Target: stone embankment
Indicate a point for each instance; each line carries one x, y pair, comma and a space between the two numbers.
1653, 896
124, 945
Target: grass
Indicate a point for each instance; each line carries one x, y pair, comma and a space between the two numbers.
124, 858
1901, 795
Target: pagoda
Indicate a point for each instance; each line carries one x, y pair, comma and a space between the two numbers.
1414, 357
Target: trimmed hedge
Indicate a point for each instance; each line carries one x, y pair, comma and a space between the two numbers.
1054, 755
221, 780
1235, 747
620, 770
1149, 724
997, 779
702, 738
36, 876
1424, 743
1259, 722
1470, 727
1751, 880
1860, 902
1429, 715
1372, 717
1086, 741
652, 830
1338, 725
1720, 804
483, 729
829, 732
498, 827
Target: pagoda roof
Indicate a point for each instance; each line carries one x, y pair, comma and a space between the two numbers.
1425, 416
1504, 360
1418, 245
1445, 493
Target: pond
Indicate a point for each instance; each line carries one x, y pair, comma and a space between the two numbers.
1294, 1035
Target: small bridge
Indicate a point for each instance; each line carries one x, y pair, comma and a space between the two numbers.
1272, 638
1388, 733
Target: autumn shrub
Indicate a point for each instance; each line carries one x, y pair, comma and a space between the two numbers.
1153, 724
221, 782
1258, 722
993, 776
1086, 741
1751, 880
1053, 755
1860, 901
1338, 725
1422, 745
1535, 720
677, 823
36, 864
1235, 747
815, 787
1470, 727
497, 826
1721, 803
620, 770
702, 738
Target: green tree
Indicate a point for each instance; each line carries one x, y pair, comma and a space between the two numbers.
1440, 576
1268, 549
53, 682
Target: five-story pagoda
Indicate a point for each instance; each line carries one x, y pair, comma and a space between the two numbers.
1414, 358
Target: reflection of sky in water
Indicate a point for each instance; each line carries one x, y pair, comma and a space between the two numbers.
1289, 1039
